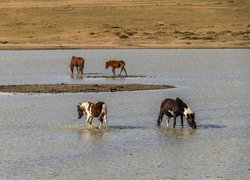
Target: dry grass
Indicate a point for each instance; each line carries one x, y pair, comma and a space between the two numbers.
124, 23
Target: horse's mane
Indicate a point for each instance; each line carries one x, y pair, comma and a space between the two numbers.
181, 103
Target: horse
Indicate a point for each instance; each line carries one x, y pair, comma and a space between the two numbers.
77, 62
174, 108
116, 64
93, 109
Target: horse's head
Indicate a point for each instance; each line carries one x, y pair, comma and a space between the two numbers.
191, 120
107, 65
80, 112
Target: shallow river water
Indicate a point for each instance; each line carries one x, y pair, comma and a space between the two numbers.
41, 137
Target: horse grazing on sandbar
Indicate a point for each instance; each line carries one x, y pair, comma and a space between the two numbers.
173, 108
96, 109
77, 62
116, 64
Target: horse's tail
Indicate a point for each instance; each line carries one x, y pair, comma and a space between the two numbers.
104, 115
104, 110
123, 63
81, 63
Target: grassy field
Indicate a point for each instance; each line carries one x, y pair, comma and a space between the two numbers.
38, 24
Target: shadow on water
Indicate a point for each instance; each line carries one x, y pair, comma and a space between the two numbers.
210, 126
179, 132
125, 127
102, 75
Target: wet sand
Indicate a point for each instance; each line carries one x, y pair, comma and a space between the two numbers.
74, 88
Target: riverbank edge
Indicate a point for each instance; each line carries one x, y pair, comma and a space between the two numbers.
79, 47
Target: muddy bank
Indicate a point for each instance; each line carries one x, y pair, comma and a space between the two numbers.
74, 88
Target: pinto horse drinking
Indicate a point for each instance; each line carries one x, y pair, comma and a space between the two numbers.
96, 109
174, 108
116, 64
77, 62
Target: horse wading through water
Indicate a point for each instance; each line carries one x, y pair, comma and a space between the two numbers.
116, 64
96, 109
77, 62
174, 108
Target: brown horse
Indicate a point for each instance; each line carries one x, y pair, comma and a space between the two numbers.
116, 64
77, 62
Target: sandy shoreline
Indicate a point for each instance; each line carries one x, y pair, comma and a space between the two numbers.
82, 24
75, 88
76, 47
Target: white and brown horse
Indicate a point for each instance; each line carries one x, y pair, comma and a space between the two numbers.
173, 108
116, 64
96, 109
77, 62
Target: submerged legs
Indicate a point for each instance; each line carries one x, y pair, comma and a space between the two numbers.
181, 121
174, 121
113, 70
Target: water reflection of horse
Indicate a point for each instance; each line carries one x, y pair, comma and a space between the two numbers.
174, 108
96, 109
77, 62
91, 134
116, 64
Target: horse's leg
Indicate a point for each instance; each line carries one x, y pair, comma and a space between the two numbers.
125, 71
121, 71
101, 122
167, 121
113, 70
105, 121
89, 120
82, 69
174, 121
160, 118
182, 121
80, 72
72, 71
72, 68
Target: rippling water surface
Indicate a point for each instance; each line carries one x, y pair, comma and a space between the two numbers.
41, 137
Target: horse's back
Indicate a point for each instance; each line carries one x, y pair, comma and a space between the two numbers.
77, 61
167, 102
116, 63
96, 108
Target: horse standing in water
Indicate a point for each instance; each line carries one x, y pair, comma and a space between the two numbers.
174, 108
116, 64
77, 62
96, 109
